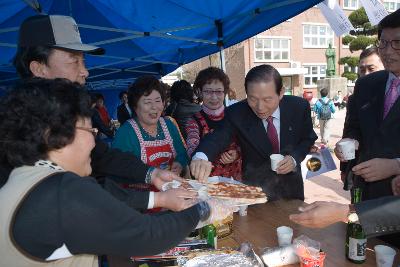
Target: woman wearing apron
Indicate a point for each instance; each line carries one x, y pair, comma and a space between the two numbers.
156, 140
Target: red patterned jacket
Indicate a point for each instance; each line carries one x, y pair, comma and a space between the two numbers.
200, 125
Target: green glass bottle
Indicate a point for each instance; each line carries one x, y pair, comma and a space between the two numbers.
209, 232
356, 241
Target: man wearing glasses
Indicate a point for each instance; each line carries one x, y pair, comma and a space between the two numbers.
374, 122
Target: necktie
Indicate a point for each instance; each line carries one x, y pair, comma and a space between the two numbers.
272, 135
391, 96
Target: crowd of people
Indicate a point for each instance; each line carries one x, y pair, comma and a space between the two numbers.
62, 197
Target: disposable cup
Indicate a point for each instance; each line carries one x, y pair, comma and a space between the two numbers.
384, 256
275, 159
285, 235
243, 210
348, 149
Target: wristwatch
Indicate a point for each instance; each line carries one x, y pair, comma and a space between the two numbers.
352, 216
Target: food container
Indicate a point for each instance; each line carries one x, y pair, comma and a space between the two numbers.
279, 256
225, 227
311, 262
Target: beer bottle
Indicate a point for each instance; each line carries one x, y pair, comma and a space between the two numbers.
209, 232
356, 241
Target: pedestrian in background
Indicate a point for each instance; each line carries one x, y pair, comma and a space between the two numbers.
324, 108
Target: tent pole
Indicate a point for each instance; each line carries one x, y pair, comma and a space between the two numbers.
222, 58
220, 43
223, 67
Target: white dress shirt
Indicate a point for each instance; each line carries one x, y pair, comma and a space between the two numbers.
277, 123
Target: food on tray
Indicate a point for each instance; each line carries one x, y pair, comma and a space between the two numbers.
239, 193
236, 192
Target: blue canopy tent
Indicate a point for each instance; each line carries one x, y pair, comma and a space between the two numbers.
153, 37
146, 37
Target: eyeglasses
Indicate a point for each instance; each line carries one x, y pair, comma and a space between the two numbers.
94, 131
211, 92
382, 44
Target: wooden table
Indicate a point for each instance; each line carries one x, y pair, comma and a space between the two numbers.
259, 228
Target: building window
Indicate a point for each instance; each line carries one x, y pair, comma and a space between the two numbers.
314, 73
350, 4
317, 36
392, 6
271, 49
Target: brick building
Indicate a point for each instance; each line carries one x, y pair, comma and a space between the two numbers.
295, 47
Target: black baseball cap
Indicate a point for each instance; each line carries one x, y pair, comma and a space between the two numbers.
54, 31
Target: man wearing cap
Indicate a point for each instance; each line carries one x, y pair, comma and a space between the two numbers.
50, 47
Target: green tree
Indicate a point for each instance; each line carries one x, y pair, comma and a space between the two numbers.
362, 37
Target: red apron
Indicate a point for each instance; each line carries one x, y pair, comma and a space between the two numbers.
156, 153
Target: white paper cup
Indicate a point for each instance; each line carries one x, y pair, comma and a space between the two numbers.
348, 149
285, 235
275, 159
243, 210
384, 256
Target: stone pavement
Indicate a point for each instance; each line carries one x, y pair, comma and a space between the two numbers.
328, 187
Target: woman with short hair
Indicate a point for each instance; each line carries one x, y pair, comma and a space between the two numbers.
212, 85
148, 135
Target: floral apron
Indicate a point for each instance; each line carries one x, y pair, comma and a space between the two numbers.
155, 153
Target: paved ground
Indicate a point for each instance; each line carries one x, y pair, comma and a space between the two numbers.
328, 186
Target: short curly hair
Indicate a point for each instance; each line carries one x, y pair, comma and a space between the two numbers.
209, 75
38, 116
144, 86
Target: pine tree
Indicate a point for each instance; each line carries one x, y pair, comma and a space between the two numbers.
362, 37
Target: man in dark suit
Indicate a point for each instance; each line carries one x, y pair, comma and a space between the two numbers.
124, 113
266, 123
374, 119
369, 62
377, 217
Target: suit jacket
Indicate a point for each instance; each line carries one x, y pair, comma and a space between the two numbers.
347, 166
381, 217
122, 114
98, 123
113, 162
296, 138
135, 199
378, 137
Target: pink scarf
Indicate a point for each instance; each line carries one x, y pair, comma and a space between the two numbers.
214, 114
